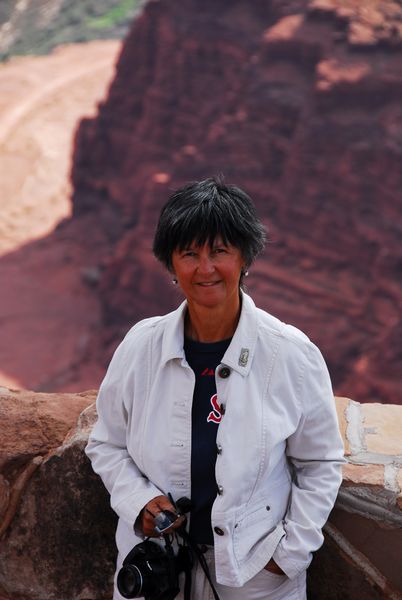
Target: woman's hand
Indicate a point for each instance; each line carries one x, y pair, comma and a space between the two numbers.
149, 512
274, 568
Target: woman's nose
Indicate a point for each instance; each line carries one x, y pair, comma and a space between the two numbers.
206, 265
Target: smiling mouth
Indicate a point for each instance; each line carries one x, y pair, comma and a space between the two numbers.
208, 283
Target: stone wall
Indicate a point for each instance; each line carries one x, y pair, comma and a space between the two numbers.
57, 529
361, 557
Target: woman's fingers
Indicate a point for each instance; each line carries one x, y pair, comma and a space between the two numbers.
179, 521
152, 509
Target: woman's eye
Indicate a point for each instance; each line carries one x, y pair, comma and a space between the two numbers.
220, 250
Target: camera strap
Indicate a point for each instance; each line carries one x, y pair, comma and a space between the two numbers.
201, 558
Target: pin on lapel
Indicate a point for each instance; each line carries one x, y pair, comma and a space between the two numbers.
243, 358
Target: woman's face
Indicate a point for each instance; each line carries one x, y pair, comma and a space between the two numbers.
209, 275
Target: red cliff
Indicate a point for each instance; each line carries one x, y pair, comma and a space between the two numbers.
300, 104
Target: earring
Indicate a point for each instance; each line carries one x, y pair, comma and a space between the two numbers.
174, 281
244, 273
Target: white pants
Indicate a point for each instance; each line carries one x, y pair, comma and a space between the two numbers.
264, 586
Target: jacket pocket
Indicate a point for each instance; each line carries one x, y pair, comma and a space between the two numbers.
260, 523
250, 530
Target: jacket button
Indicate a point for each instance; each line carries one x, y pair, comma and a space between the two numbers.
220, 490
219, 531
218, 448
224, 372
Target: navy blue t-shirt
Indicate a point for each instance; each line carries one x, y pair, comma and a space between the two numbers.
203, 358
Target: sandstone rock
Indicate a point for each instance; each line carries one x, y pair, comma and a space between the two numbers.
341, 407
32, 424
368, 475
331, 577
372, 434
383, 429
60, 543
367, 519
4, 495
399, 483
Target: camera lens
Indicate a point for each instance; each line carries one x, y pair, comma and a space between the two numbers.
129, 581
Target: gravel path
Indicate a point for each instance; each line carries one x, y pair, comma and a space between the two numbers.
47, 312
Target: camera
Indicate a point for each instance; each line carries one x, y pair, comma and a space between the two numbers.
152, 571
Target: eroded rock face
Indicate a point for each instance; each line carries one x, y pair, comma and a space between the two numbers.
349, 583
297, 102
60, 543
33, 424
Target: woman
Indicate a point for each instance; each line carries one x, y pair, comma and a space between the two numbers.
221, 402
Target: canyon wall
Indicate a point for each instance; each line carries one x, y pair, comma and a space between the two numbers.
298, 102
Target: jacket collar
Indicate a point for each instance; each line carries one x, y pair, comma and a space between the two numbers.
239, 356
173, 334
240, 353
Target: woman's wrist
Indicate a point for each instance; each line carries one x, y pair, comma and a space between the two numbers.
272, 567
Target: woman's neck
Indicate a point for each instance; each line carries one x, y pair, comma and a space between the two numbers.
206, 324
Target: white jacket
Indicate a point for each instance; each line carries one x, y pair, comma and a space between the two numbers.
280, 451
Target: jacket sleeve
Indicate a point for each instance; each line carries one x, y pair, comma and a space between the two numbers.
315, 451
129, 489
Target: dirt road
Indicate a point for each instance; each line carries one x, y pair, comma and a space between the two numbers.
46, 310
